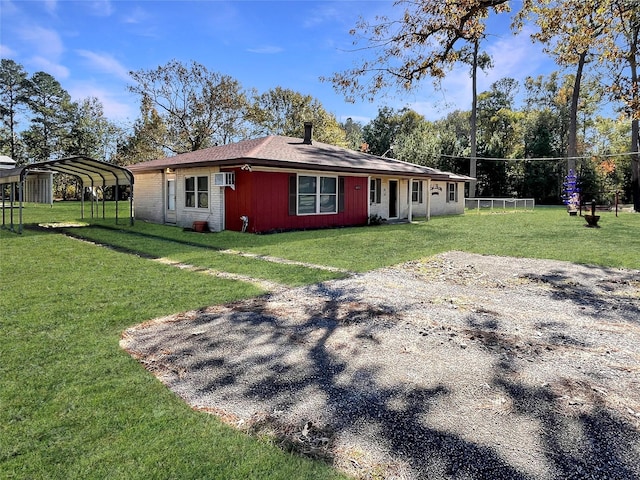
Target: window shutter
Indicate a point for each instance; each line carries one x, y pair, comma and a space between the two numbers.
340, 194
378, 190
293, 194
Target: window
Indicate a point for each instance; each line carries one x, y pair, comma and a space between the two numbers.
314, 195
416, 191
452, 192
196, 192
375, 190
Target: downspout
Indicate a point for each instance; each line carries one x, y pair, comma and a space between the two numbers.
368, 193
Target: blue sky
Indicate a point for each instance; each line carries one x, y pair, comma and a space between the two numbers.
90, 46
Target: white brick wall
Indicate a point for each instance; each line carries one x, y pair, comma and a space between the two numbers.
148, 195
439, 204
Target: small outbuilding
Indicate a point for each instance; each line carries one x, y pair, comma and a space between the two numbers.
278, 183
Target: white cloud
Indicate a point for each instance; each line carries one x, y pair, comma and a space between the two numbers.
50, 6
513, 56
267, 49
116, 106
42, 41
322, 14
136, 16
6, 52
105, 63
56, 70
99, 8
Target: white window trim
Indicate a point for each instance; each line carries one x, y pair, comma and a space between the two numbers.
317, 194
197, 192
455, 192
376, 182
420, 192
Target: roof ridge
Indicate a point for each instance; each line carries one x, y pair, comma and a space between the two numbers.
263, 142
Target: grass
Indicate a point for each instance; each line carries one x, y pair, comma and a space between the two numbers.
74, 405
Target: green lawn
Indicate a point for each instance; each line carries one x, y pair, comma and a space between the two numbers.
74, 405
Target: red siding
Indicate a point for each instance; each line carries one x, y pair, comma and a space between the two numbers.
264, 198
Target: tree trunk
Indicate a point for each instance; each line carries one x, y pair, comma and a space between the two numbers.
473, 121
572, 151
635, 127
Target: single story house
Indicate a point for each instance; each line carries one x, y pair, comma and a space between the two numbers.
278, 183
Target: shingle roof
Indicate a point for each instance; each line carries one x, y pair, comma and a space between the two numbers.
288, 152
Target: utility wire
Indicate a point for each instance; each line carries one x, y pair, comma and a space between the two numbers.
539, 159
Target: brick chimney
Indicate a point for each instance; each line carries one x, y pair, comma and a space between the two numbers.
308, 133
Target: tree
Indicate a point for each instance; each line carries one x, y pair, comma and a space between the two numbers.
199, 108
480, 61
454, 142
542, 178
147, 139
570, 29
353, 132
282, 111
417, 142
423, 42
623, 52
52, 113
12, 97
92, 134
500, 135
380, 133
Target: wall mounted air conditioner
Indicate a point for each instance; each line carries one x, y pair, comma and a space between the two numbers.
225, 179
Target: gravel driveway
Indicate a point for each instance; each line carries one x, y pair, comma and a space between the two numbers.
458, 366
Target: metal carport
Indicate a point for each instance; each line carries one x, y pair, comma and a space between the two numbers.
90, 172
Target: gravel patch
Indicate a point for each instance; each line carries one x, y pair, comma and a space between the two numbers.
457, 366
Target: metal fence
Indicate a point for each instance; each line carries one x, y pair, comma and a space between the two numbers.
499, 203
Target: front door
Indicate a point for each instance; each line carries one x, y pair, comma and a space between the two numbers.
170, 211
393, 199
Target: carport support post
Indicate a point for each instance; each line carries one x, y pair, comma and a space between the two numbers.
20, 198
82, 200
117, 192
92, 198
12, 199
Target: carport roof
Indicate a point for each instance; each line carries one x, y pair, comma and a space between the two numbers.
89, 171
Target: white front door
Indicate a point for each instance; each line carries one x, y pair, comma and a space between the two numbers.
170, 210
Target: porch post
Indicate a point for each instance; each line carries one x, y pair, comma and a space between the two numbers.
428, 198
410, 200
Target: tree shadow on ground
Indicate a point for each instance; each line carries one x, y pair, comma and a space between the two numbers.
293, 367
597, 290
